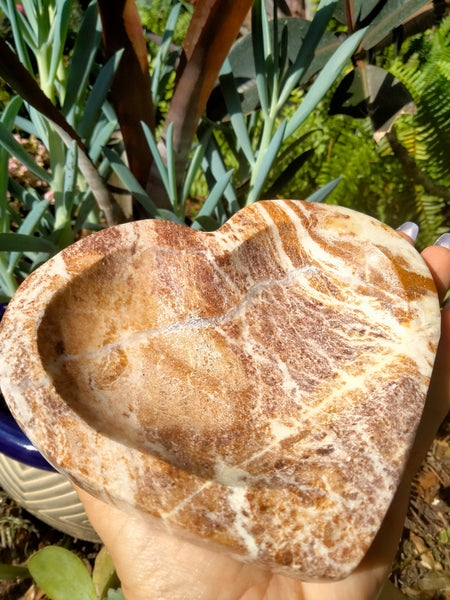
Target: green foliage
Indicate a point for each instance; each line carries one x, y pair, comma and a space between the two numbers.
52, 209
248, 145
13, 572
235, 160
104, 575
61, 575
427, 76
155, 13
444, 536
373, 180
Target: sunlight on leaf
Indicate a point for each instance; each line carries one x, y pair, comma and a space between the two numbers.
61, 574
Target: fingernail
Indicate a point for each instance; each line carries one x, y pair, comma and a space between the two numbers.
444, 241
411, 229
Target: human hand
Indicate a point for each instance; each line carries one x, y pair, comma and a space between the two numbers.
153, 565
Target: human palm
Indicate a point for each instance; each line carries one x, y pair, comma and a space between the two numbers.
154, 565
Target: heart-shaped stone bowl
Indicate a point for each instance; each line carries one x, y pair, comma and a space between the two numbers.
256, 389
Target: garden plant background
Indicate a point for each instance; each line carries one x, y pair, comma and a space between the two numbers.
112, 111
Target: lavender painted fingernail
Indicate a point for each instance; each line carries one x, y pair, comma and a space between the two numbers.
444, 241
411, 229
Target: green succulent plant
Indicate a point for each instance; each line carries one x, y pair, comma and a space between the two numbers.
96, 109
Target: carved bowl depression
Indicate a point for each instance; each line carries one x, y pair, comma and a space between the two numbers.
256, 389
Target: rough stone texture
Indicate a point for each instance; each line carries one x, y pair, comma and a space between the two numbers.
258, 387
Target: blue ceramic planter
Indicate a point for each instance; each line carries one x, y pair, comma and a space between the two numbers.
13, 442
28, 479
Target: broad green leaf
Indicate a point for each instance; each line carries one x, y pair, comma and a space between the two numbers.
39, 123
9, 114
17, 242
362, 10
13, 572
63, 208
28, 32
321, 194
104, 574
26, 196
61, 574
393, 14
70, 173
324, 81
168, 215
8, 283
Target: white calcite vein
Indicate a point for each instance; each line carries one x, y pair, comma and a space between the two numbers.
257, 388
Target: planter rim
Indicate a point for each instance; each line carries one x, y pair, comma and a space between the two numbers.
13, 442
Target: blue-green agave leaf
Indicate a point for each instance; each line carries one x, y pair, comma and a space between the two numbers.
321, 194
324, 81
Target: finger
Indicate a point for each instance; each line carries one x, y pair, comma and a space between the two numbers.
409, 231
437, 259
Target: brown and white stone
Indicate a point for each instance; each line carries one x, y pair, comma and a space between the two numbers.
258, 387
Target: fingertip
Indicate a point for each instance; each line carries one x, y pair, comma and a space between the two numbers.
437, 259
409, 231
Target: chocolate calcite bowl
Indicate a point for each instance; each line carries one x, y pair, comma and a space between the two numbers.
256, 389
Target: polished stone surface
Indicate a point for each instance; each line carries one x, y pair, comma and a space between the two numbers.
257, 388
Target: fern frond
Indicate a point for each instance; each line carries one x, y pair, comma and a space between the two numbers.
429, 218
428, 81
433, 120
444, 68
